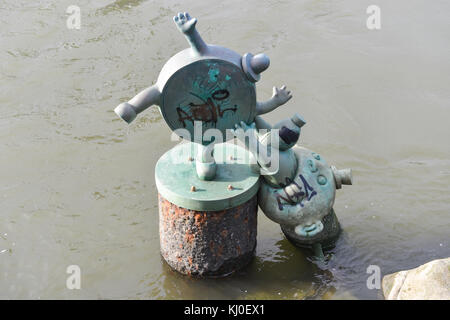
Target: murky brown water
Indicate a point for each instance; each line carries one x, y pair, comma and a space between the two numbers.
77, 185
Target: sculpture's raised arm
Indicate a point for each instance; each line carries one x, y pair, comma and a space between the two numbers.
186, 25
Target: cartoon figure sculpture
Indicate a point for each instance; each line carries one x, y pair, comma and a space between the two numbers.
207, 208
206, 83
300, 193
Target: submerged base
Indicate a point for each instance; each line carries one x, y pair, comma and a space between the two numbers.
207, 228
327, 238
207, 243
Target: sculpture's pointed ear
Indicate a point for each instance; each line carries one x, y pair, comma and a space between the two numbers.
254, 65
259, 63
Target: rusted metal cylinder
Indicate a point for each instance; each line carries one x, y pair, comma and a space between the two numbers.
207, 227
207, 243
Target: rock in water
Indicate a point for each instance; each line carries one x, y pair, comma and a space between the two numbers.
430, 281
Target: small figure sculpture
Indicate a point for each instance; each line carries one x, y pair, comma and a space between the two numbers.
214, 87
299, 193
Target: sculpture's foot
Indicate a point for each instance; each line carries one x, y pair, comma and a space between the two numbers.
205, 165
206, 170
326, 238
318, 251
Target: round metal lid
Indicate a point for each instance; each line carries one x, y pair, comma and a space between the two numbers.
175, 175
213, 91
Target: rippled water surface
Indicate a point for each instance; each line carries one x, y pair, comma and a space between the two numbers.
77, 184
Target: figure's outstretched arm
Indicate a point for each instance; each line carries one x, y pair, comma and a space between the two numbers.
186, 25
279, 97
146, 98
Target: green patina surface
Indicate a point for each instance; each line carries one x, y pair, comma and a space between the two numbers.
213, 74
213, 91
175, 175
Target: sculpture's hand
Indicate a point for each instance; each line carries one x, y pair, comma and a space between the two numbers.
184, 22
281, 96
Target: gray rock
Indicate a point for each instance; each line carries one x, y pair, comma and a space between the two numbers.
430, 281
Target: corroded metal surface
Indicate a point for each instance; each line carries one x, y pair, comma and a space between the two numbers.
207, 243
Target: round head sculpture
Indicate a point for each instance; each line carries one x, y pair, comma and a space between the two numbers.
204, 83
212, 89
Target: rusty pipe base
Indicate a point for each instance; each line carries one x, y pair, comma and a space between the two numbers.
327, 238
207, 243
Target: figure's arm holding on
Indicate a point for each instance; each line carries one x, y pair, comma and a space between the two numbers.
248, 135
260, 123
279, 97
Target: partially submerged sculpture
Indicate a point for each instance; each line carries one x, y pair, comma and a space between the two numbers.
208, 210
301, 192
